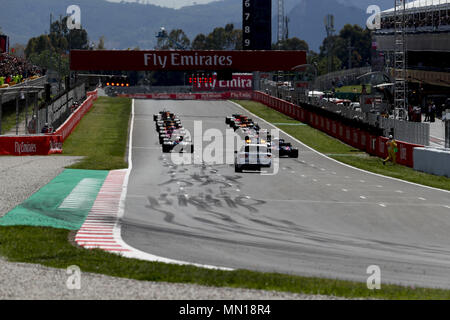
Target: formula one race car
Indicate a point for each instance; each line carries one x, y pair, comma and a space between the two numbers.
285, 149
163, 115
178, 145
253, 157
239, 121
168, 124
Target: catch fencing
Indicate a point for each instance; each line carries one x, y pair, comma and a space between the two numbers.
60, 108
411, 132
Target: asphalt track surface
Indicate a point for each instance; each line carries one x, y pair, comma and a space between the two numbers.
315, 217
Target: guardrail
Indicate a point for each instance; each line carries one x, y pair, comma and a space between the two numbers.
60, 109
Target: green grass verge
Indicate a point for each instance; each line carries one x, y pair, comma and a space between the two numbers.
101, 136
50, 247
342, 152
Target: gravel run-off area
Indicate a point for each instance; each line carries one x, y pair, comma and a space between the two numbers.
23, 176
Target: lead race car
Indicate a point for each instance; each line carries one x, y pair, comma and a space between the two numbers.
178, 145
253, 157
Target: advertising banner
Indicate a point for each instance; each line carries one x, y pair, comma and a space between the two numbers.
239, 82
41, 145
183, 60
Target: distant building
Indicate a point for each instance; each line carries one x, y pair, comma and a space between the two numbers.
428, 48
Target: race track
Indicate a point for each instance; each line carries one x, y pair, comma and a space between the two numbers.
316, 217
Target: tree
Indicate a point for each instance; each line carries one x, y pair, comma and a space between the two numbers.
227, 38
350, 36
38, 44
199, 42
291, 44
176, 39
60, 40
50, 60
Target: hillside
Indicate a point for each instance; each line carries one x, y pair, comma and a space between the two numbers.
128, 25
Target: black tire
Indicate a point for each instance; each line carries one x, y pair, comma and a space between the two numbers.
237, 169
166, 149
192, 148
294, 153
162, 138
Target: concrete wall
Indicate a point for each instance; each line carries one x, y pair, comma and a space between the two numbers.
432, 160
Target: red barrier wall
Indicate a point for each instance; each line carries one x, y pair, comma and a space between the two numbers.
355, 137
30, 145
67, 127
49, 143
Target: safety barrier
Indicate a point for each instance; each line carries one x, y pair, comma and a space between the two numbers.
355, 137
30, 145
69, 125
432, 160
46, 144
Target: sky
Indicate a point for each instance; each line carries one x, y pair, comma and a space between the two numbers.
168, 3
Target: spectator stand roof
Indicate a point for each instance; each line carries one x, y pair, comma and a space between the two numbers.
421, 6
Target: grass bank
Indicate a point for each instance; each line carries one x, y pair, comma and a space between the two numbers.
342, 152
101, 136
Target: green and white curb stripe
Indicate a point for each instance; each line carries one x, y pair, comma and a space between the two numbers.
63, 203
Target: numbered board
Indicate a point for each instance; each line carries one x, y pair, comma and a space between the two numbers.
257, 25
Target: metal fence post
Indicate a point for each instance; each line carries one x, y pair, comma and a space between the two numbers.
17, 115
26, 113
36, 106
447, 129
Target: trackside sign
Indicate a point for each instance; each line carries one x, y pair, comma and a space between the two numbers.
245, 61
239, 82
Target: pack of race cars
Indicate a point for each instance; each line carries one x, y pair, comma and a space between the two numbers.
259, 145
172, 135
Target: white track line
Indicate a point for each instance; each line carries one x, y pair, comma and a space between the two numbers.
334, 160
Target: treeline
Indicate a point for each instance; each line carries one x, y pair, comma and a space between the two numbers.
51, 51
350, 47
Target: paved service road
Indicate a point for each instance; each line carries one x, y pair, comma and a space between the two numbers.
316, 217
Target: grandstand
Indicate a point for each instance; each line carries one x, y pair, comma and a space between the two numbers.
427, 28
14, 70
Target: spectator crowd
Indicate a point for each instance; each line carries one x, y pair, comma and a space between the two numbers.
14, 69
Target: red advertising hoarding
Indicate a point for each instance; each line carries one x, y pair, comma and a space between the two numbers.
239, 82
178, 60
